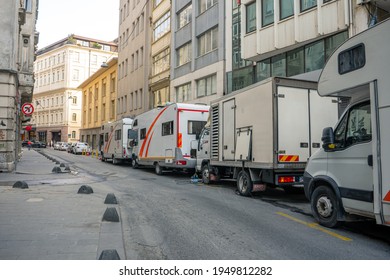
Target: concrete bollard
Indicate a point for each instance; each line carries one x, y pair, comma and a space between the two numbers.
56, 169
20, 185
111, 215
85, 189
111, 199
109, 255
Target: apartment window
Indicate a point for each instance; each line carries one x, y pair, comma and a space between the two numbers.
125, 104
162, 26
131, 101
74, 117
185, 16
76, 57
112, 83
206, 4
167, 128
28, 5
126, 66
208, 41
141, 22
104, 87
251, 17
207, 86
132, 63
103, 114
161, 62
278, 65
73, 134
286, 8
307, 4
161, 96
333, 42
140, 99
94, 59
74, 100
135, 101
136, 57
314, 56
141, 56
75, 76
267, 12
183, 92
112, 109
184, 54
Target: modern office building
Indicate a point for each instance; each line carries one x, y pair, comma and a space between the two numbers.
197, 50
17, 46
59, 70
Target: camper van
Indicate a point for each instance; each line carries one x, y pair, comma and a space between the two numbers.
349, 176
164, 136
115, 141
262, 135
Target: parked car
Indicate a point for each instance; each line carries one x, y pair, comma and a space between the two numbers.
38, 144
81, 147
70, 147
64, 146
25, 143
57, 145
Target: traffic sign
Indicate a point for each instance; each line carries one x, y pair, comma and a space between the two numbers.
27, 109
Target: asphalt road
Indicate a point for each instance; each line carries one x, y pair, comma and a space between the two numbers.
167, 217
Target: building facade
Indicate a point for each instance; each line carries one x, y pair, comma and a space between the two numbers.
159, 81
59, 70
197, 50
98, 102
18, 41
134, 68
293, 37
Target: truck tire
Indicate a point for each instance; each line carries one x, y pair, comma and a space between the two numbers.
158, 168
206, 174
114, 161
244, 183
324, 206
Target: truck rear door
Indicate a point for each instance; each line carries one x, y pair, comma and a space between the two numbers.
293, 125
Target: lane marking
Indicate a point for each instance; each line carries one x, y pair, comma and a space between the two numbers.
315, 226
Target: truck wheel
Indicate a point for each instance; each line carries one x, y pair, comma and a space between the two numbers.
157, 168
206, 174
134, 163
324, 206
244, 183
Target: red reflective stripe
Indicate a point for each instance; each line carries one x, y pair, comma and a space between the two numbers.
387, 197
180, 140
288, 158
147, 148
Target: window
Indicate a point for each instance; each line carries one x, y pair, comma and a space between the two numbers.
250, 17
314, 56
112, 83
75, 75
142, 134
185, 16
167, 128
331, 43
184, 54
28, 5
206, 4
267, 12
161, 96
355, 127
183, 92
286, 8
76, 57
352, 59
278, 65
161, 62
295, 62
195, 127
208, 41
156, 2
118, 134
104, 87
74, 117
307, 4
207, 86
73, 134
162, 26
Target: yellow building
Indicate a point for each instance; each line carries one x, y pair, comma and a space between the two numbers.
99, 93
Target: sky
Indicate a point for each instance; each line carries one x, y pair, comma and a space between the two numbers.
96, 19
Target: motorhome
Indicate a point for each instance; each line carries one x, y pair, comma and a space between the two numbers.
263, 135
115, 141
349, 177
164, 136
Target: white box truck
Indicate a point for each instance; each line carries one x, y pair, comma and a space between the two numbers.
350, 176
164, 136
115, 140
263, 135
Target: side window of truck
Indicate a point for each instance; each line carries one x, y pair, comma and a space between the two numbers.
355, 127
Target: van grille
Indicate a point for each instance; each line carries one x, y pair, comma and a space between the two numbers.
214, 132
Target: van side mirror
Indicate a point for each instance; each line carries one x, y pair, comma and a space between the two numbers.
328, 139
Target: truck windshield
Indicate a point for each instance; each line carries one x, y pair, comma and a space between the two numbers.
195, 127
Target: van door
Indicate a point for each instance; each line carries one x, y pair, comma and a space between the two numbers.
348, 163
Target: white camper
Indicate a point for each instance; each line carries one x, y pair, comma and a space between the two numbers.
263, 135
115, 141
165, 135
349, 177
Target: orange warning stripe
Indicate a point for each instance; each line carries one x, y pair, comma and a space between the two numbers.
288, 158
387, 197
179, 140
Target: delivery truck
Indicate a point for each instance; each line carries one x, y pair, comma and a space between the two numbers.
349, 176
164, 135
115, 141
262, 135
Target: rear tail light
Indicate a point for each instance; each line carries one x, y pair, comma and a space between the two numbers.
286, 179
181, 162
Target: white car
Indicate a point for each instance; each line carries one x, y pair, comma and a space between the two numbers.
64, 146
81, 147
57, 146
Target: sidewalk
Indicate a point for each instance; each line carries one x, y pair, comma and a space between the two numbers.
49, 220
